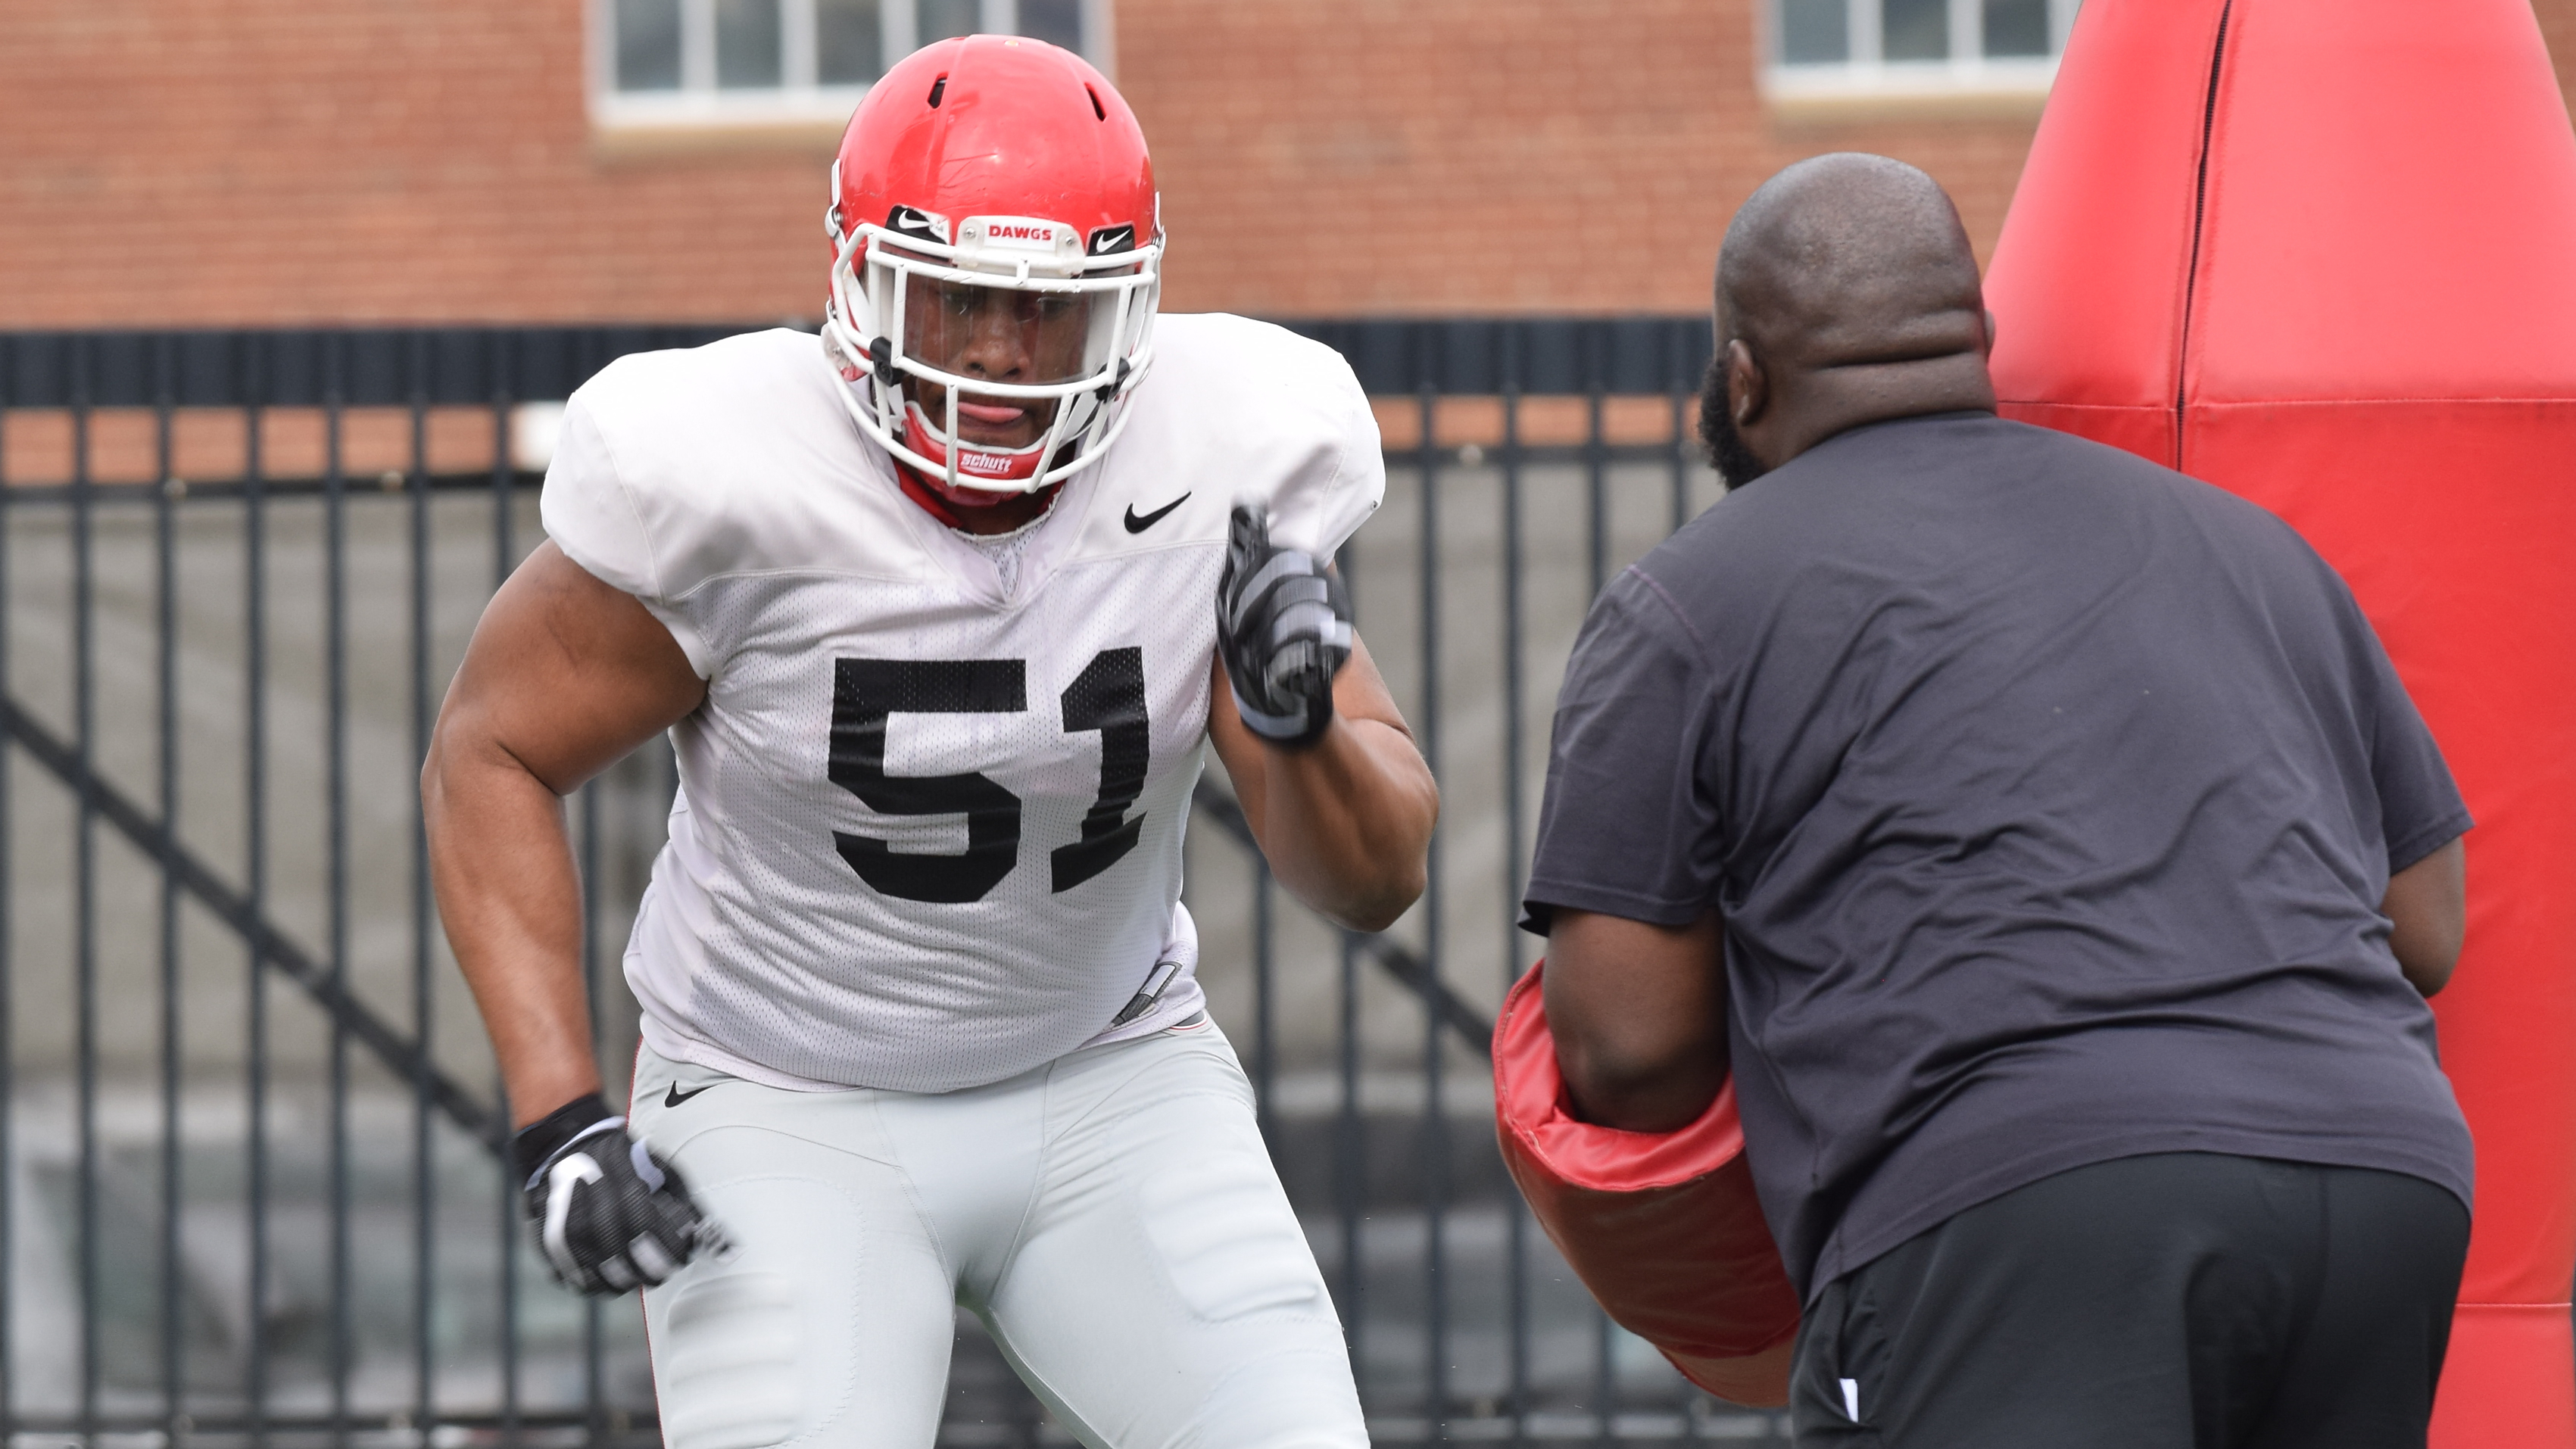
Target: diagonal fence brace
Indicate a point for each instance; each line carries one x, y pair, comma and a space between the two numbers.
402, 1056
269, 946
1414, 973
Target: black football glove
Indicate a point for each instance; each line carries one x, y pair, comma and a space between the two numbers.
1283, 627
608, 1215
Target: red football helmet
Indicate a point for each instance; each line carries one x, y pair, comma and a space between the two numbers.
996, 250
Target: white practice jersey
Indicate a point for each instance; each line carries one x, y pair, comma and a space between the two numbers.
928, 833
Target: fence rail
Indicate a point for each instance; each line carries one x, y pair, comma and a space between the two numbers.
250, 1187
445, 366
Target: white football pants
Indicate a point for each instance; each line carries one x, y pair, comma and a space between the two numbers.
1112, 1217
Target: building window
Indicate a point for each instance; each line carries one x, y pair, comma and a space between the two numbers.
1824, 51
719, 62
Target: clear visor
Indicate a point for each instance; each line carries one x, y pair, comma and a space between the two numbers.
1025, 332
1004, 333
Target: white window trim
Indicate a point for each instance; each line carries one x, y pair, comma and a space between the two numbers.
1867, 82
798, 103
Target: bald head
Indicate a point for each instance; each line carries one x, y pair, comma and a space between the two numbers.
1846, 294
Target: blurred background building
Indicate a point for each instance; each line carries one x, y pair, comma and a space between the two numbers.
233, 162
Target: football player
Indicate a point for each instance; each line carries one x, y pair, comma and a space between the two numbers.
940, 611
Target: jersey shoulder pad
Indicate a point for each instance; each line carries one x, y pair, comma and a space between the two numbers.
1233, 411
676, 467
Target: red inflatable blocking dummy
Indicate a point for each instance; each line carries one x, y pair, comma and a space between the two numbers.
1663, 1228
2323, 253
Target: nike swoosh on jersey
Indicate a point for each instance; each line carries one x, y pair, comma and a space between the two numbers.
675, 1096
1139, 525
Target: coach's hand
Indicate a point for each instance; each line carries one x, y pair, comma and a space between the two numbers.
1283, 627
608, 1215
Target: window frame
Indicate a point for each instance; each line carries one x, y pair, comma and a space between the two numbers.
1967, 79
800, 102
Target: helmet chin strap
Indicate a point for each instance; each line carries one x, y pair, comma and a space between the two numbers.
926, 495
932, 491
973, 463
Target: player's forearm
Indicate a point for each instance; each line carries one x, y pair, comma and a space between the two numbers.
1347, 824
501, 866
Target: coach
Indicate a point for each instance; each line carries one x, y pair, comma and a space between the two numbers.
2046, 843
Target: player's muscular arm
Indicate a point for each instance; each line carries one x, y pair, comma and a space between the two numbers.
1639, 1016
1346, 822
564, 676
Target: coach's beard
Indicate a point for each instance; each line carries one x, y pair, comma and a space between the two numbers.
1733, 461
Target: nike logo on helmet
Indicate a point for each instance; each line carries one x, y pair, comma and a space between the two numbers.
913, 221
1139, 525
675, 1096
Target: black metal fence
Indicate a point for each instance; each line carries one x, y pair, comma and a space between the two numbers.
249, 1186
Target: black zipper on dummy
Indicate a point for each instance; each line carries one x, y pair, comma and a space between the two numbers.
2199, 214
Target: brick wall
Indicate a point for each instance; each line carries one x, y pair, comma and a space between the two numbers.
361, 160
247, 161
1322, 156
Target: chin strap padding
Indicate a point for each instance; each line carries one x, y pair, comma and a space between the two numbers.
1663, 1228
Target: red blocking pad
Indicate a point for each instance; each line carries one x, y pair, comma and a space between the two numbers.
1663, 1228
2318, 252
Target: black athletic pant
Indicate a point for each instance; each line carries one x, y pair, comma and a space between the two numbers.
2178, 1301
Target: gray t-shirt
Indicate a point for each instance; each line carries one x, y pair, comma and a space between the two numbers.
2048, 797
